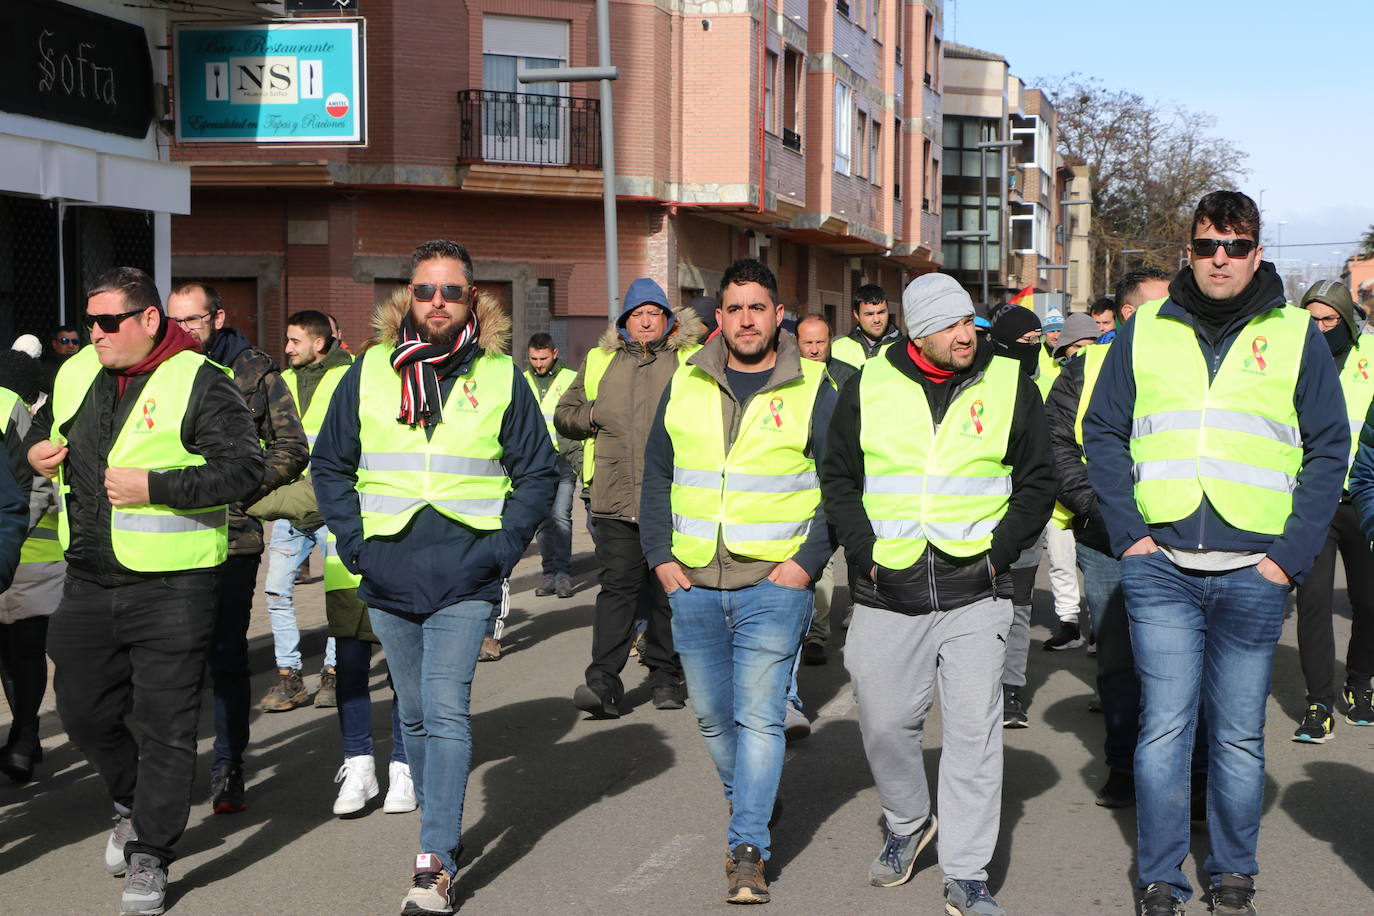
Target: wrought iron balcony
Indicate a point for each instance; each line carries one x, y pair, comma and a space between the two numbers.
527, 129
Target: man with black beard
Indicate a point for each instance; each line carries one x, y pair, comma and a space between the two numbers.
196, 306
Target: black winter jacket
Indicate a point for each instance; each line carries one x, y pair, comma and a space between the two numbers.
1075, 492
217, 426
937, 581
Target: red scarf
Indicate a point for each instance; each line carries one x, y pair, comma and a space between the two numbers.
172, 342
928, 369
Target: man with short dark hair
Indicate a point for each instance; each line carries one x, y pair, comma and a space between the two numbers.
1105, 313
732, 526
432, 469
196, 306
549, 378
875, 328
66, 340
1217, 444
149, 442
318, 363
1139, 286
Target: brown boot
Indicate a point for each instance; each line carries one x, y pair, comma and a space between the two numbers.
744, 875
327, 696
287, 692
491, 650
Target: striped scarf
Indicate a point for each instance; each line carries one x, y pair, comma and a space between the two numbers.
420, 365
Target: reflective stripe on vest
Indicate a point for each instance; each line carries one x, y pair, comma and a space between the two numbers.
1357, 384
1233, 438
942, 485
561, 383
146, 539
594, 368
313, 418
762, 495
42, 544
457, 470
336, 575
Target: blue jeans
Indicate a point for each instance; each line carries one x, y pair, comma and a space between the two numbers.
1117, 684
288, 550
1210, 636
432, 659
554, 533
737, 650
355, 701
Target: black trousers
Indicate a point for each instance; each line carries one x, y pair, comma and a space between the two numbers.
623, 572
1316, 641
24, 671
130, 662
238, 579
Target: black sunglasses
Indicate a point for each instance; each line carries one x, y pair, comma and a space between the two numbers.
451, 292
110, 323
1235, 248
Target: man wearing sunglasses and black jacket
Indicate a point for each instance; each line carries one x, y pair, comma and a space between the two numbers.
1217, 443
130, 637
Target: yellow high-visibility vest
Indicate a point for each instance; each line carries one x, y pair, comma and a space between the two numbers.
759, 497
598, 360
1233, 438
41, 545
313, 419
457, 470
561, 383
1357, 384
946, 486
151, 538
848, 350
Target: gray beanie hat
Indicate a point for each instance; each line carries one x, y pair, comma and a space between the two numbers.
1078, 326
933, 302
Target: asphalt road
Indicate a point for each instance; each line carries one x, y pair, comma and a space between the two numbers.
569, 815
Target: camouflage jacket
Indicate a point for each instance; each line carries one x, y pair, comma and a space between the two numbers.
282, 436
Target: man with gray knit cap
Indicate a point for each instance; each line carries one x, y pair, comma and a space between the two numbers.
931, 514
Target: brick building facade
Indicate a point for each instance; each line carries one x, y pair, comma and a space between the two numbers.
805, 133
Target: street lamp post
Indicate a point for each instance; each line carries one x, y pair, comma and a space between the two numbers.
1064, 206
602, 73
1002, 146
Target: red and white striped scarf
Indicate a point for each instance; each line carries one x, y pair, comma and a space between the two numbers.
420, 365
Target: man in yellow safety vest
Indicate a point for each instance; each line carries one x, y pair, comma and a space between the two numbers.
549, 378
149, 442
1217, 443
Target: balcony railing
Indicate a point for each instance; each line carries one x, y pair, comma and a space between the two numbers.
791, 139
842, 7
526, 129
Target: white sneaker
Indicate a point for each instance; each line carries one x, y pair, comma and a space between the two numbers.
122, 833
400, 790
359, 778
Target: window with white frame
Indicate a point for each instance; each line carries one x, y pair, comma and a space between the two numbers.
523, 120
844, 127
770, 75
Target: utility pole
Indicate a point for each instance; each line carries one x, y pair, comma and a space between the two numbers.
1001, 146
602, 73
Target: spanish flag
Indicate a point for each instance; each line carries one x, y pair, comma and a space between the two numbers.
1025, 298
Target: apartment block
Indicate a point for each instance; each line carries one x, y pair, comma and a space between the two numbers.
1004, 176
803, 132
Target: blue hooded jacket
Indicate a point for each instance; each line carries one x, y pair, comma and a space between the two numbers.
642, 291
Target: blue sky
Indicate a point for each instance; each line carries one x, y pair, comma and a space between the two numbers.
1290, 84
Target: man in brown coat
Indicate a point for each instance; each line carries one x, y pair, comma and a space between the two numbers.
612, 402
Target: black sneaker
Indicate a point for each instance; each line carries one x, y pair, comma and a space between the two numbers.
744, 875
669, 696
1013, 709
226, 792
1318, 726
813, 653
1233, 895
596, 699
1159, 900
1118, 791
546, 586
1359, 705
1066, 637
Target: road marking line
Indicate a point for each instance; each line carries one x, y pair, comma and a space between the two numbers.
837, 708
657, 865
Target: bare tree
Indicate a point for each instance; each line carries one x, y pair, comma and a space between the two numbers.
1151, 162
1367, 243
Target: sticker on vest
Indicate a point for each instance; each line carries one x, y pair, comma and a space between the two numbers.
1258, 346
470, 393
973, 426
145, 423
774, 418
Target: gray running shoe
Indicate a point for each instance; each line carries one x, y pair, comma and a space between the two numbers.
563, 586
896, 862
965, 897
122, 833
145, 887
546, 586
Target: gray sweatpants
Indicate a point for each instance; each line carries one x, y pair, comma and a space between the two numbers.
894, 662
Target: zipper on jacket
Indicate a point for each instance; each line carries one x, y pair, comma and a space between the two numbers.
930, 574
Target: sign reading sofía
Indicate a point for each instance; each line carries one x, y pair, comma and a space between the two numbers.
279, 82
67, 64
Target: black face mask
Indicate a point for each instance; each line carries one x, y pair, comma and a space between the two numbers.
1027, 354
1338, 338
